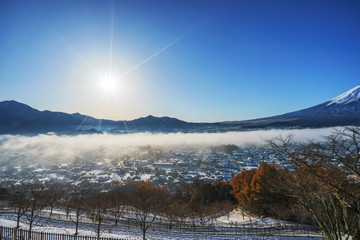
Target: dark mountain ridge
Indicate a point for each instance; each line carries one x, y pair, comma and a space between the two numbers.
19, 118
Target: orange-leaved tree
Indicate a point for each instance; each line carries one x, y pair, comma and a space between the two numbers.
241, 187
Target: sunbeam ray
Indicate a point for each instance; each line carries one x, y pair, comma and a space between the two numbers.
83, 121
77, 53
111, 37
153, 55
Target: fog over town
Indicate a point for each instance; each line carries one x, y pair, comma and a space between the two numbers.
166, 160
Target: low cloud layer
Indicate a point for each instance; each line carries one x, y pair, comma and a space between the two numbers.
49, 147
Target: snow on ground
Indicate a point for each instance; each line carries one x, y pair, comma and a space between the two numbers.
56, 226
271, 221
237, 216
53, 226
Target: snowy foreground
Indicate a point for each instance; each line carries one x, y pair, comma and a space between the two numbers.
86, 229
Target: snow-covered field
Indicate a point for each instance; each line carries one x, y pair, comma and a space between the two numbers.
66, 227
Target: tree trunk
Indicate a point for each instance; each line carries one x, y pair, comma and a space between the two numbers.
99, 228
76, 228
31, 219
144, 233
30, 229
77, 221
51, 210
67, 212
18, 218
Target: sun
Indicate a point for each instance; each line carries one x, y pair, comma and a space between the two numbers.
109, 84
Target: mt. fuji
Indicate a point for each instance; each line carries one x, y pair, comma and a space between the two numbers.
344, 105
350, 96
339, 111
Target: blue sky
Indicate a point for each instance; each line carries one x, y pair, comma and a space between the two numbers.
194, 60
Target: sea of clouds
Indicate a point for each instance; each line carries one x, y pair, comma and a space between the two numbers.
66, 148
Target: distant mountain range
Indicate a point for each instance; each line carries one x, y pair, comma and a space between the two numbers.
18, 118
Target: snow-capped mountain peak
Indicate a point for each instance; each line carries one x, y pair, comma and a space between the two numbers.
347, 97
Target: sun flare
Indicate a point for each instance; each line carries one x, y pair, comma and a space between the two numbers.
109, 84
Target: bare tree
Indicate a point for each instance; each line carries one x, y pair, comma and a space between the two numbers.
148, 202
75, 201
117, 202
98, 204
174, 212
331, 192
37, 197
19, 200
55, 191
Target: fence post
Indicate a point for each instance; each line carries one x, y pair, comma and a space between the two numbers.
1, 230
15, 232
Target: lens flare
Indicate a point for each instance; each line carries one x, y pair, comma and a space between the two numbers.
109, 84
